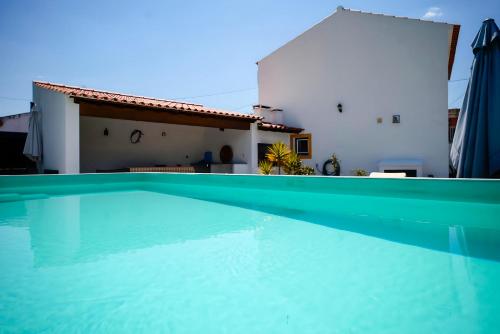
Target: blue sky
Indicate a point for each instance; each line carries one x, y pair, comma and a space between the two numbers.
188, 50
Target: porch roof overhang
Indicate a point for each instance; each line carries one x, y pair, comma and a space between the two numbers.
106, 104
154, 114
266, 126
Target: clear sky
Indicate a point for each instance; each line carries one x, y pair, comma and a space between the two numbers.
188, 50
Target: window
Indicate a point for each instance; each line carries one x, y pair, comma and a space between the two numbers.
301, 144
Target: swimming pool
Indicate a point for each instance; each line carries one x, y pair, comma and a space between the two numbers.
248, 254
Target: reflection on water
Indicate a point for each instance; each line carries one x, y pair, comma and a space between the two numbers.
79, 228
481, 242
419, 222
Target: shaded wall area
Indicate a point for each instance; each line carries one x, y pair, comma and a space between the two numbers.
161, 144
12, 160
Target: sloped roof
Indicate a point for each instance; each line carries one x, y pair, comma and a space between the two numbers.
134, 100
452, 42
266, 126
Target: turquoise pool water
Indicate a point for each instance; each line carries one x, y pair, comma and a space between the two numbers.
177, 257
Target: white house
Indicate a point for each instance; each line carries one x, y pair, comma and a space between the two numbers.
87, 130
371, 88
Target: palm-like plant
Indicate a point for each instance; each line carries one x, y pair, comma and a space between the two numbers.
292, 164
278, 153
265, 167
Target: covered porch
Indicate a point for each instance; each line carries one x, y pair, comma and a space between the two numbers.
167, 139
116, 137
88, 131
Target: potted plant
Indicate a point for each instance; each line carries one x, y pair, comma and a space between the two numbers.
332, 166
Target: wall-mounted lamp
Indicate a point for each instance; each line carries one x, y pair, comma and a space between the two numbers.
339, 107
106, 132
163, 134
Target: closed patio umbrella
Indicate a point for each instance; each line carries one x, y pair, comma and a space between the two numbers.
475, 151
33, 147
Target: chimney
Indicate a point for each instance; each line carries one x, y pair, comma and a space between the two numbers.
271, 115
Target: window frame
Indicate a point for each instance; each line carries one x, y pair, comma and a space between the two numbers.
306, 136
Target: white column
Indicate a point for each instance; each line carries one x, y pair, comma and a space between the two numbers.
254, 132
72, 137
60, 130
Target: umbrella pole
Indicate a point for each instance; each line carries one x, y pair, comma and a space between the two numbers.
39, 167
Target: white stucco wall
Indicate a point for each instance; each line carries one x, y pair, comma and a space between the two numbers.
60, 130
182, 144
375, 66
270, 137
239, 140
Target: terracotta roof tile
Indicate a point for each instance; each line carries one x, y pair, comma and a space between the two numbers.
93, 94
266, 126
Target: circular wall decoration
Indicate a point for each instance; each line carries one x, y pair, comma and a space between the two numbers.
135, 136
226, 154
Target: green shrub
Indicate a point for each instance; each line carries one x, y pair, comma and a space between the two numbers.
292, 164
265, 167
359, 172
306, 170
